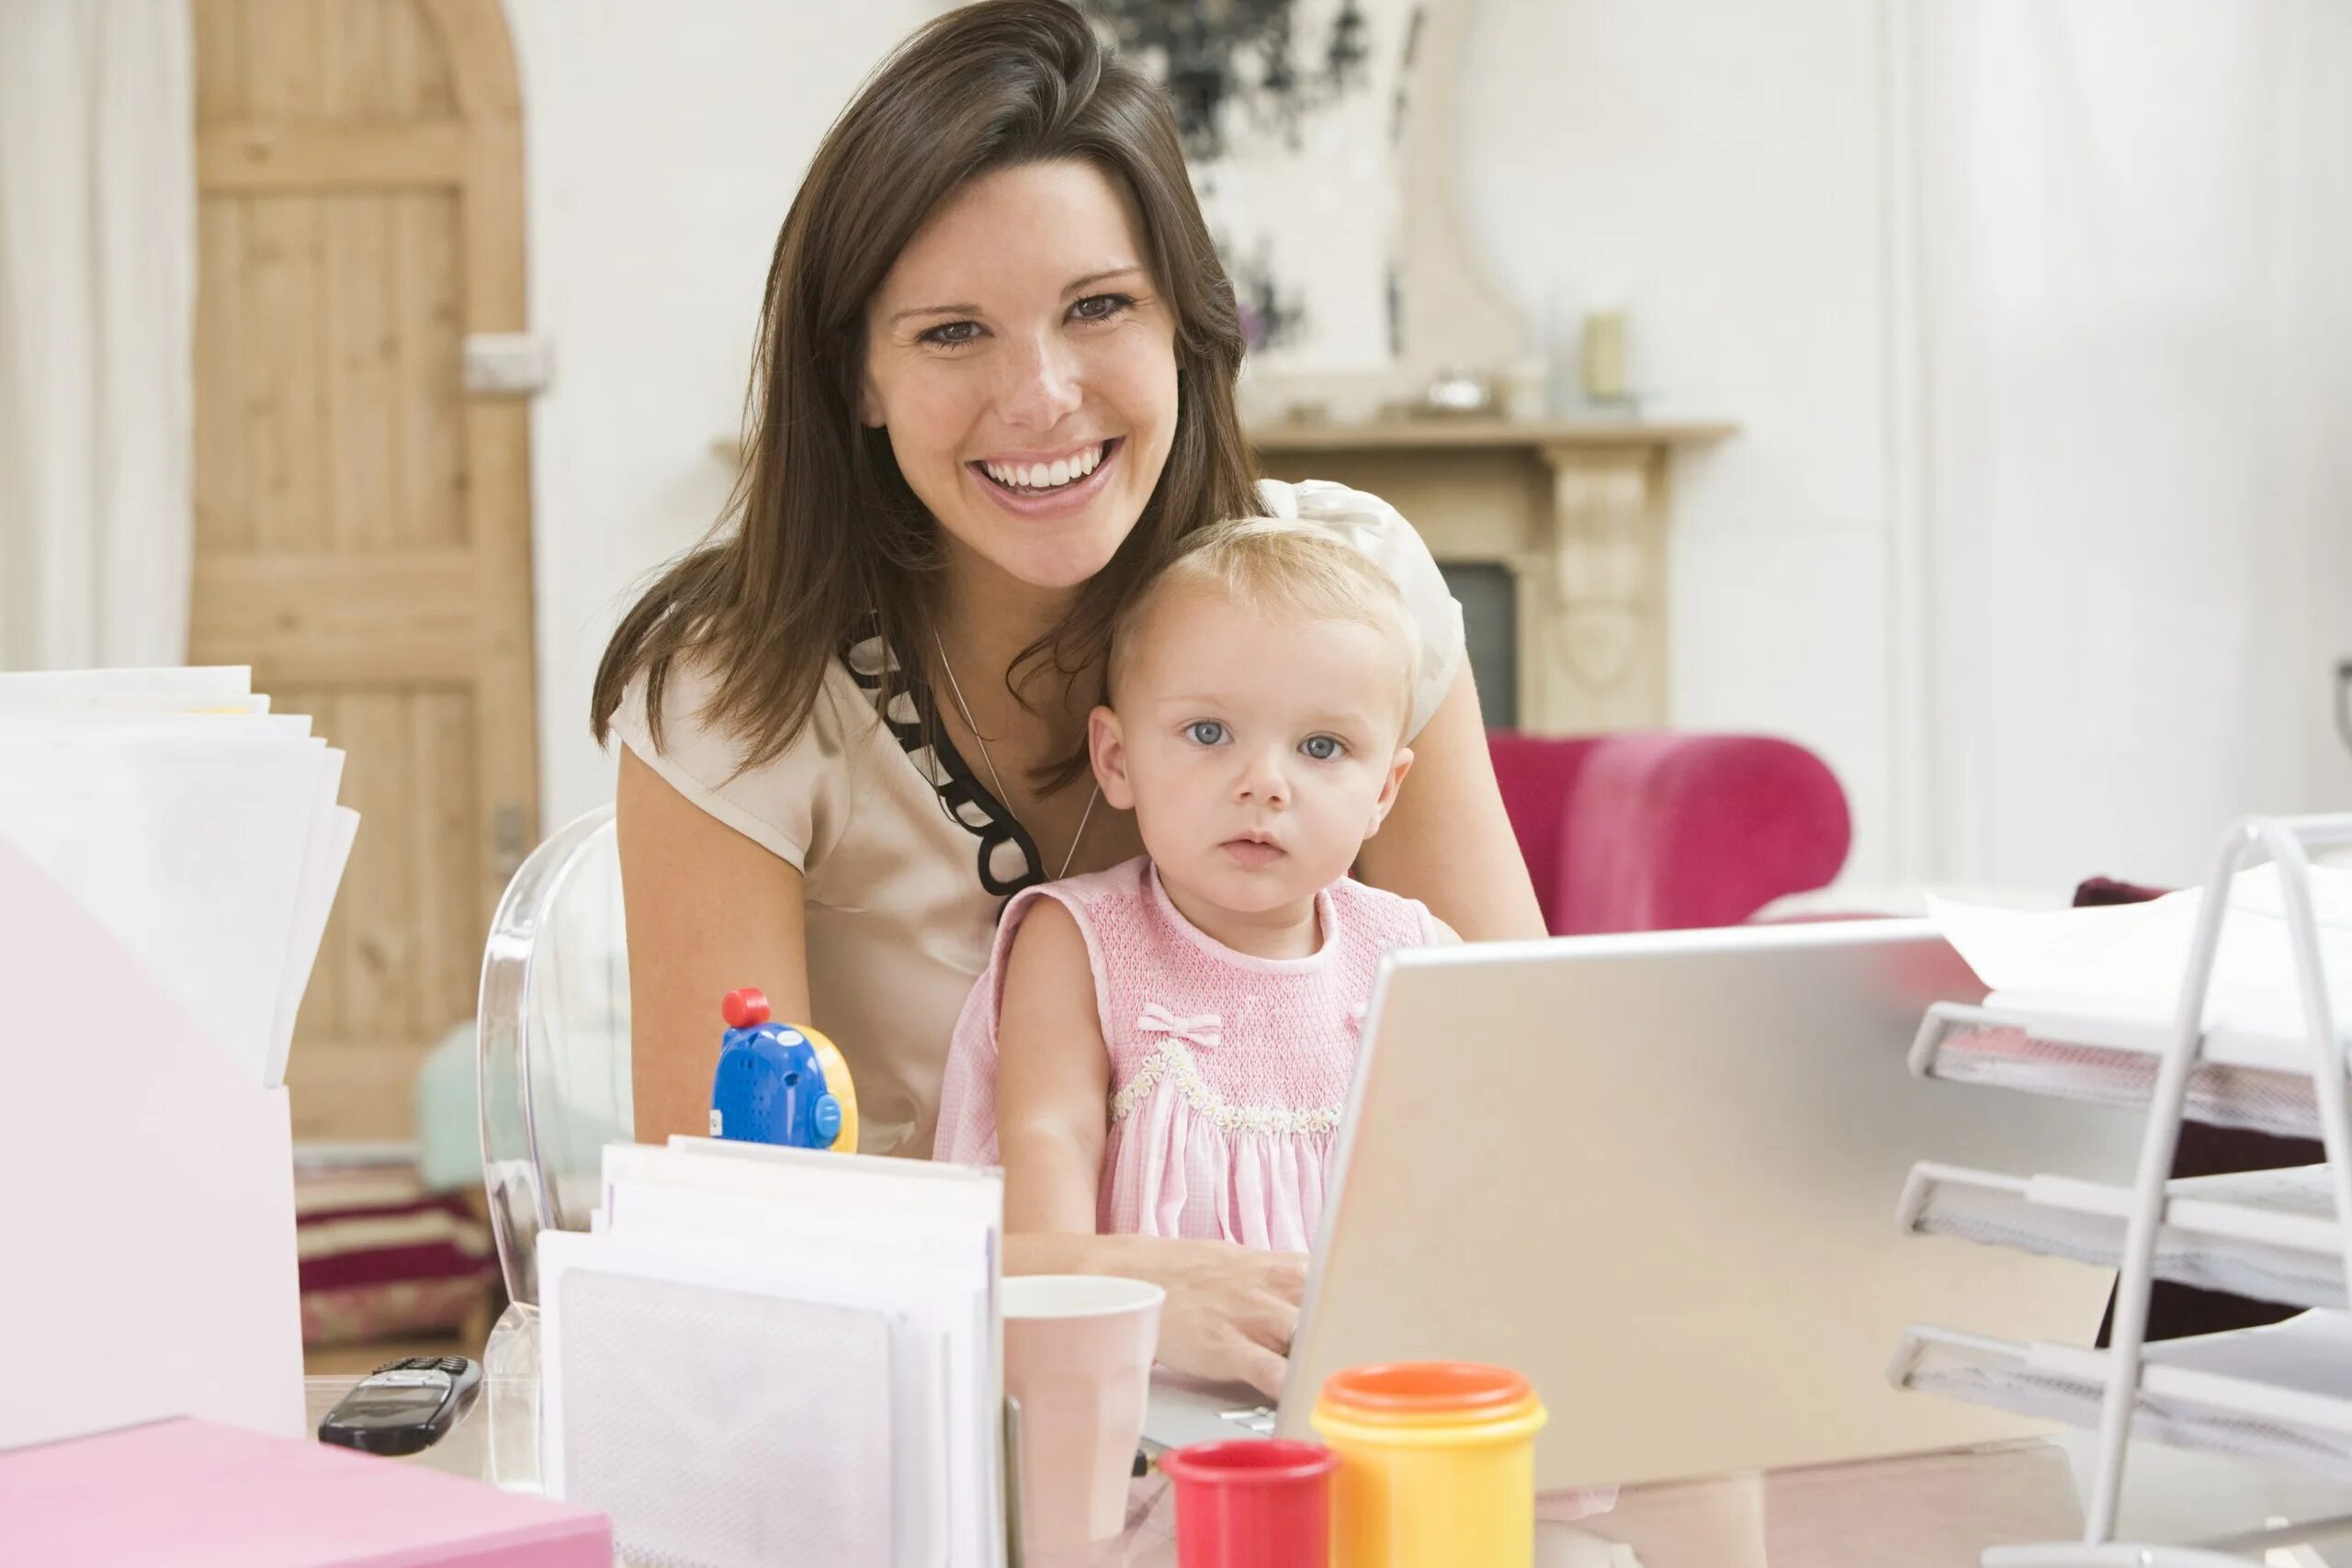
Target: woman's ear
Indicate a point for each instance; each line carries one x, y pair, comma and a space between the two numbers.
869, 400
1106, 746
1398, 766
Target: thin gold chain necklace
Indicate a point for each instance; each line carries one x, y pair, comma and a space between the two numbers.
988, 761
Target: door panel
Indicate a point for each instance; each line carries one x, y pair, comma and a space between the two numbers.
363, 527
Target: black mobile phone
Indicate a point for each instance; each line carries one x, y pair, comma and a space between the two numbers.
404, 1406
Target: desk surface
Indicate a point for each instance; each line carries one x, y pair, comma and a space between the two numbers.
1930, 1511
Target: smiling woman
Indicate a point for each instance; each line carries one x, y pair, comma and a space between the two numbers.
995, 391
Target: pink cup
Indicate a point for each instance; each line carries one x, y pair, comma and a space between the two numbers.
1077, 1353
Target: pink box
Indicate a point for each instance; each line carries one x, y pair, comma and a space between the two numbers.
195, 1494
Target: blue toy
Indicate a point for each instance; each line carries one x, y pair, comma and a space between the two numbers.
777, 1083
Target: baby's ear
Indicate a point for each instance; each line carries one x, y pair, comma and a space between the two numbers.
1398, 766
1106, 746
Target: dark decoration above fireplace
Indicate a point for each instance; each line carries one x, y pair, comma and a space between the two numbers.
1252, 59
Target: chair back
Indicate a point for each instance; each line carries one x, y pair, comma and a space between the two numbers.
1641, 831
552, 1045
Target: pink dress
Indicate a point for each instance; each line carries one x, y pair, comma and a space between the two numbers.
1228, 1073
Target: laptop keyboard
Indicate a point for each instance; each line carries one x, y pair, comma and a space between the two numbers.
1260, 1421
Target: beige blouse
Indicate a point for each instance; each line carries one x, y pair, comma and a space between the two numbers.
907, 858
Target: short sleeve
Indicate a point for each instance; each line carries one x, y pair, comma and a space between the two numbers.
795, 804
1380, 531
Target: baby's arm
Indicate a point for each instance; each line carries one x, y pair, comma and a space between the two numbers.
1053, 1078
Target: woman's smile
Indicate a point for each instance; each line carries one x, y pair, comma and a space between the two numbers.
1038, 488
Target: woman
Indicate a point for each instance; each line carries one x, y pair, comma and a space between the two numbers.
996, 383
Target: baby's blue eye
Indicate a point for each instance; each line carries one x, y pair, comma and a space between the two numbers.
1206, 732
1322, 747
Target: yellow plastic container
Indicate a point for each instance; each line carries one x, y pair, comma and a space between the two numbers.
1437, 1465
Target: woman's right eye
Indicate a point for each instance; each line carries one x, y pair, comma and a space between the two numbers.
951, 335
1204, 732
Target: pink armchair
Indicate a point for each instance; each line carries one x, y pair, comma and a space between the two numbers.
1656, 830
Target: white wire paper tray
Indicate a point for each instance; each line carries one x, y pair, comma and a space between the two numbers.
2269, 1234
2281, 1393
2241, 1080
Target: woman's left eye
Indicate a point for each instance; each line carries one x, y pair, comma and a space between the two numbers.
1101, 306
1322, 747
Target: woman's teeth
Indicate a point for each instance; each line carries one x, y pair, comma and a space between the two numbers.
1045, 476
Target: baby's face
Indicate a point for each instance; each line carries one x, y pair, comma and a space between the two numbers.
1256, 752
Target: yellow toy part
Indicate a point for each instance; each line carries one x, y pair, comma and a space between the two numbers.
837, 1084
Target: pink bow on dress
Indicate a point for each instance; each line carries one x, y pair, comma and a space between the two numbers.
1200, 1029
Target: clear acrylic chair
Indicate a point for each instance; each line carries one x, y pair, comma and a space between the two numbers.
553, 1050
552, 1055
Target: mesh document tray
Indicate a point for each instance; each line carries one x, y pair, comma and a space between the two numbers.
2281, 1393
2269, 1234
2240, 1081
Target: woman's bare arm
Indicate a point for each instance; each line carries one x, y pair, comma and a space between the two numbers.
709, 912
1448, 842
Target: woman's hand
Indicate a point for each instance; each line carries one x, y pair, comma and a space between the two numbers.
1231, 1310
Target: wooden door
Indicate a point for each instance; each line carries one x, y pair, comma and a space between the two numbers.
363, 523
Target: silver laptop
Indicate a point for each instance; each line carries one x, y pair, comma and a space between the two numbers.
1658, 1174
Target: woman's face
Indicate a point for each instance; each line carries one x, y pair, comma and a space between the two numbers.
1023, 362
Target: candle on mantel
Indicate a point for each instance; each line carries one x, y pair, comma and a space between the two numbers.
1604, 356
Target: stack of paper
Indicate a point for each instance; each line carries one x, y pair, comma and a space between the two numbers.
194, 824
169, 851
766, 1356
2126, 962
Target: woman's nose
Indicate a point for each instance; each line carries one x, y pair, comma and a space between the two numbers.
1041, 386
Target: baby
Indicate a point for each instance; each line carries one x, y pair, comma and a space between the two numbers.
1164, 1048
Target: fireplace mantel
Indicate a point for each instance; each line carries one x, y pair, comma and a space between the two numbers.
1574, 508
1460, 434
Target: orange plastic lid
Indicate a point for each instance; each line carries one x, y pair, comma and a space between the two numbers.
1428, 1388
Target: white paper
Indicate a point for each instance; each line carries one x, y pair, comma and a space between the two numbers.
322, 869
2127, 961
176, 681
198, 828
856, 1336
921, 1238
223, 705
85, 721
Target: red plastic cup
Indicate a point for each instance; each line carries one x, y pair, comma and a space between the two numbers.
1252, 1504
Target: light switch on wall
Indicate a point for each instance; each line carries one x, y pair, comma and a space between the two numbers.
507, 364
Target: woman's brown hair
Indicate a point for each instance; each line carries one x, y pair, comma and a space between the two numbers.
822, 532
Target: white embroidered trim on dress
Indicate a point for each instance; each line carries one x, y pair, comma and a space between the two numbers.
1174, 1061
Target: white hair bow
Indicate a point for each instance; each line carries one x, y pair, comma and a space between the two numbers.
1200, 1029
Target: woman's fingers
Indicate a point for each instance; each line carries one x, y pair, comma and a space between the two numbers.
1269, 1321
1257, 1366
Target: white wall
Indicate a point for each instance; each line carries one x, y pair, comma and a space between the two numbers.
1717, 168
1717, 171
662, 143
